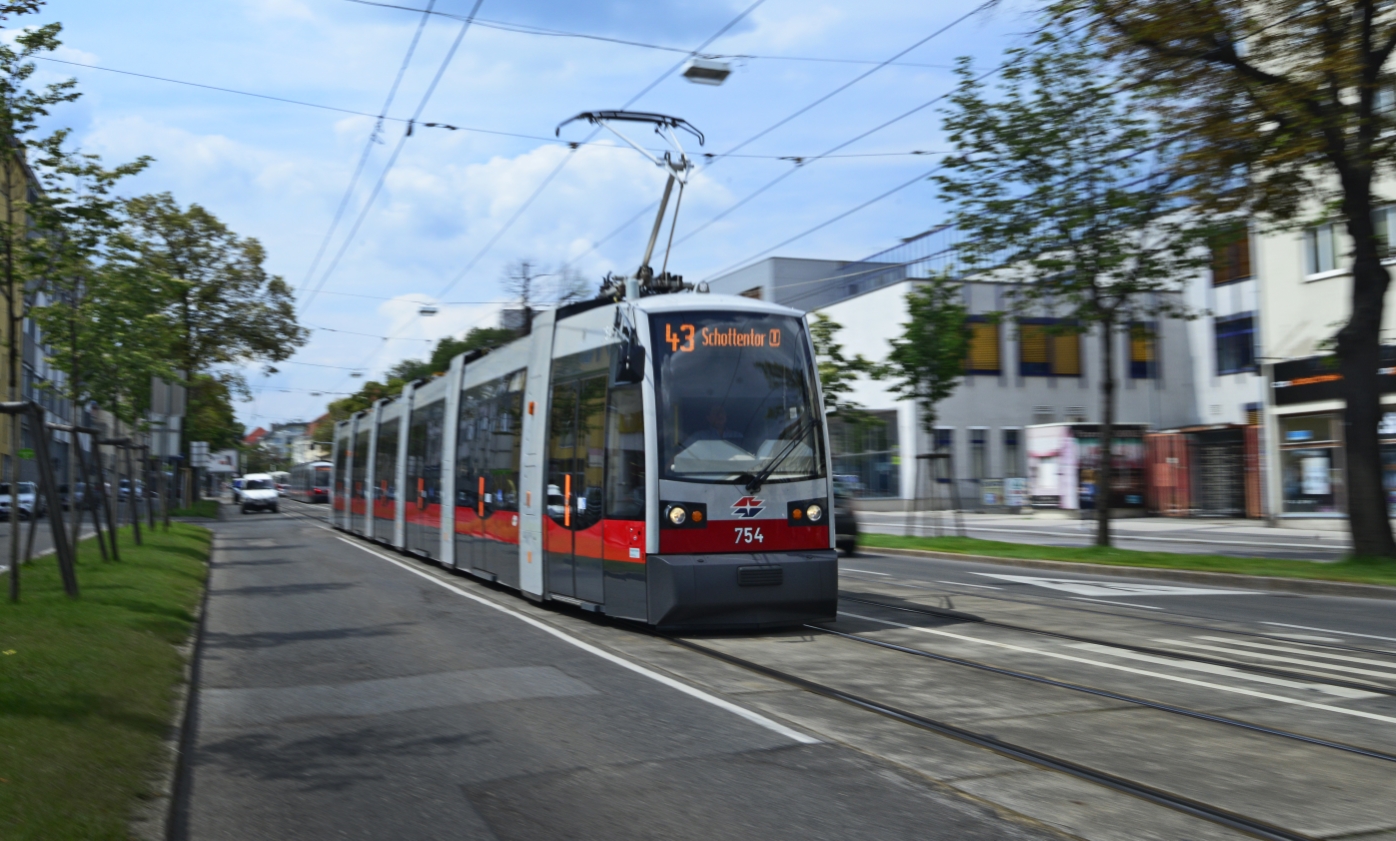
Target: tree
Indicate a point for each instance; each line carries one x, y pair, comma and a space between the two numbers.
1060, 185
928, 358
223, 305
837, 372
408, 370
1284, 108
89, 308
210, 416
21, 109
226, 308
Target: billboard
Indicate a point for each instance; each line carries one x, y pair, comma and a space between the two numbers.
223, 461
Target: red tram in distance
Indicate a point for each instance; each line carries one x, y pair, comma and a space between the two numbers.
661, 458
310, 481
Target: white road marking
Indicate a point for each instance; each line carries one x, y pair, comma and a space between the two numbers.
1107, 601
1330, 631
1311, 638
1389, 675
754, 718
1311, 652
867, 572
1111, 588
967, 584
1237, 690
1226, 671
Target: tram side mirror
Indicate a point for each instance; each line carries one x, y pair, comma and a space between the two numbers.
630, 363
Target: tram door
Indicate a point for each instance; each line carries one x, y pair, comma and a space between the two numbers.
576, 472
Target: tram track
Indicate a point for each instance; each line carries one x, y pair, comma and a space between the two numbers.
1181, 803
1247, 824
1142, 649
1114, 696
1053, 604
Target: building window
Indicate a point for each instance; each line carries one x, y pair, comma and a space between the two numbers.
1143, 351
1043, 414
866, 456
1235, 344
1384, 220
979, 453
753, 292
1012, 454
1321, 248
944, 440
1231, 256
1047, 349
983, 354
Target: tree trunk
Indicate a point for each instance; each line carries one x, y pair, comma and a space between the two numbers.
1106, 478
1359, 359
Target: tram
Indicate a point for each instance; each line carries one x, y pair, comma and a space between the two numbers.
662, 459
310, 481
657, 454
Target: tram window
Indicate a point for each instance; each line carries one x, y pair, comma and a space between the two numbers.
591, 449
508, 447
625, 455
735, 397
385, 466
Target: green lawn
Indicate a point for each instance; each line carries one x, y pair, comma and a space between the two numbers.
1358, 570
202, 508
86, 686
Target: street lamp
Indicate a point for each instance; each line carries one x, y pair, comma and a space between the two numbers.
706, 71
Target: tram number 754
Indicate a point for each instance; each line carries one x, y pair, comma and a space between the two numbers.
750, 535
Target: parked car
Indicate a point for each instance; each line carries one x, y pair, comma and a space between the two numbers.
845, 518
82, 498
258, 493
125, 490
29, 502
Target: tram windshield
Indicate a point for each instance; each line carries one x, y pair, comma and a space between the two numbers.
735, 397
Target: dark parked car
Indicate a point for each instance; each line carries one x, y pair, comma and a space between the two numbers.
845, 519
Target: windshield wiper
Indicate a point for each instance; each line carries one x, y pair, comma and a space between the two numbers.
754, 482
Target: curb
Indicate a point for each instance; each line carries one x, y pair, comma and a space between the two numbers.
153, 819
1303, 586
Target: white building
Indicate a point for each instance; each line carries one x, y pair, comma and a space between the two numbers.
1305, 297
1020, 374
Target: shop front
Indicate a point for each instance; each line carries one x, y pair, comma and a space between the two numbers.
1064, 466
1308, 422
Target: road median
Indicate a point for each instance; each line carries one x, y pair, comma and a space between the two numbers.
1358, 577
88, 687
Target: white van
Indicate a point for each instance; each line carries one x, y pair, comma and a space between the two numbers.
259, 493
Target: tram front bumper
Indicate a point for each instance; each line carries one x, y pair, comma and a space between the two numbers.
743, 590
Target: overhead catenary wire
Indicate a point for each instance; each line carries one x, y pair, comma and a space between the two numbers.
563, 163
732, 152
368, 146
541, 138
392, 160
529, 29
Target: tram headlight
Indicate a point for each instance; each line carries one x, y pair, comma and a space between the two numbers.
677, 515
815, 513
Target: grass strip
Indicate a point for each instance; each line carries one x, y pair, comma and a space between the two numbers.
1353, 570
202, 508
87, 685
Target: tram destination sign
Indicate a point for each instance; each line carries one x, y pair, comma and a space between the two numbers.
1317, 378
686, 338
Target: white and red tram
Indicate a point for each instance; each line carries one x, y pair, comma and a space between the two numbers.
662, 459
310, 481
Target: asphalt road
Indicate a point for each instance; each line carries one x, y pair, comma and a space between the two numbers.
348, 692
345, 693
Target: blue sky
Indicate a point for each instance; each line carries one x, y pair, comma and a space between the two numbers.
277, 171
